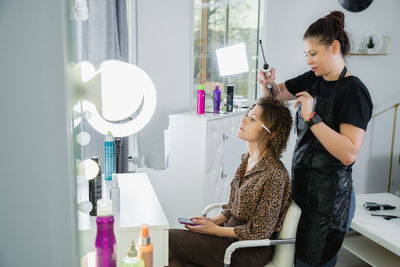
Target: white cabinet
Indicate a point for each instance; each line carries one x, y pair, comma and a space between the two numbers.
203, 155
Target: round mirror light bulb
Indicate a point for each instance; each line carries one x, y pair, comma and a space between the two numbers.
88, 169
85, 206
83, 138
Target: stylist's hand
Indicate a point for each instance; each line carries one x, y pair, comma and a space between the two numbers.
263, 80
206, 226
307, 104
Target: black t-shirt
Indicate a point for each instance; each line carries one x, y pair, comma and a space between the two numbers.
353, 104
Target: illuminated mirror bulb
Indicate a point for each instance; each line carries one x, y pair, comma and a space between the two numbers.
83, 138
85, 206
88, 169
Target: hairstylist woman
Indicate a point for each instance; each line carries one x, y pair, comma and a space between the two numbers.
334, 110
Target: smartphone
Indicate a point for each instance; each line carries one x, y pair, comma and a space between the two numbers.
186, 221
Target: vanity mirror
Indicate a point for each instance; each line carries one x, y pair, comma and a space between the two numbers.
119, 97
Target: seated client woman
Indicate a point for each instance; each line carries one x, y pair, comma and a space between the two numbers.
258, 202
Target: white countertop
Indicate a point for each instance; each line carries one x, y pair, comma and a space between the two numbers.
139, 205
384, 232
211, 115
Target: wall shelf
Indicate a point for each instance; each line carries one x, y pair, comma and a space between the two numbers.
362, 51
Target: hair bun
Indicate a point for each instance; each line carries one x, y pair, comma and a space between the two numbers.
338, 16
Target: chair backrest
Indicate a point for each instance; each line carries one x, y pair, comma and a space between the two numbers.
284, 254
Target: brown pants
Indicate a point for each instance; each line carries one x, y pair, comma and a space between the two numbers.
195, 249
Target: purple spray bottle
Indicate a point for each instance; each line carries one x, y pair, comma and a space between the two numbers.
106, 248
216, 98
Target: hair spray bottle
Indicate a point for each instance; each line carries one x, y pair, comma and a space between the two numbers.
229, 98
109, 164
105, 246
200, 99
216, 98
145, 247
95, 189
115, 195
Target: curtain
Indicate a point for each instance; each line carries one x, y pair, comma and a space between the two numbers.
106, 31
104, 36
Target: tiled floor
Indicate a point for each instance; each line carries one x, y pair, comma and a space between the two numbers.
347, 259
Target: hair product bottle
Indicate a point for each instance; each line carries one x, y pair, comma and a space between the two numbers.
131, 259
201, 99
105, 246
115, 195
144, 246
229, 98
216, 98
109, 163
95, 189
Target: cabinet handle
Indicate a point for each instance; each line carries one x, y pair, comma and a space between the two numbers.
223, 175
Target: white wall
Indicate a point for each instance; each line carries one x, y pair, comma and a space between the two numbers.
38, 217
165, 52
287, 20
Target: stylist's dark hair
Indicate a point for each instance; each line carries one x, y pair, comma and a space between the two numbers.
276, 117
328, 29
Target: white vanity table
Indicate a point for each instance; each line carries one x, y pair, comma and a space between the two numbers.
139, 205
376, 241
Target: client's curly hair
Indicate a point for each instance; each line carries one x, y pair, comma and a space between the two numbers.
277, 118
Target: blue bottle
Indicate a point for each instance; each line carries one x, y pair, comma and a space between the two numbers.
109, 162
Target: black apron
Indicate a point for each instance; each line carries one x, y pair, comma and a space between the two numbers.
321, 186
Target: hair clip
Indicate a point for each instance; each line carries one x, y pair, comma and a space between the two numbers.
265, 127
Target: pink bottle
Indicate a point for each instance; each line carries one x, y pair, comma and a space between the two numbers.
200, 99
105, 246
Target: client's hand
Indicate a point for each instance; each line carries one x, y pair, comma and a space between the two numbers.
202, 218
205, 226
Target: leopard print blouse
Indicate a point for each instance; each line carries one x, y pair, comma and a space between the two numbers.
260, 197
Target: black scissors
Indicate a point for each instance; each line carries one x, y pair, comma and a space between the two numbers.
386, 217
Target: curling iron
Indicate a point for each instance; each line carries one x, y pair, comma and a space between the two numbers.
265, 69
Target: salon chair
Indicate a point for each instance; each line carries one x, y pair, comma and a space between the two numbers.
284, 251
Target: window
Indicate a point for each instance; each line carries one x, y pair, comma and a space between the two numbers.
220, 23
